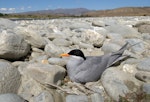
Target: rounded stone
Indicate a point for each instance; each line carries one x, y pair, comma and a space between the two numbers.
9, 78
12, 46
144, 65
10, 97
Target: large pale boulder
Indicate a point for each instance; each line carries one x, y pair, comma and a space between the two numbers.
123, 30
31, 36
9, 78
6, 24
12, 46
45, 73
119, 83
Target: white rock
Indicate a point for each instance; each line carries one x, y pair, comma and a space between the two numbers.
93, 37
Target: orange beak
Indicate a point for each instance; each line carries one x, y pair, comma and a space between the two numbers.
65, 55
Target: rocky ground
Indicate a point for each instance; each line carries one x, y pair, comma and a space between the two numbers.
32, 70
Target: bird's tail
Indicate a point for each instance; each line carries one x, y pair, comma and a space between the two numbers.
121, 50
117, 56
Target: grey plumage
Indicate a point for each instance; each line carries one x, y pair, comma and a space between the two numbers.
90, 69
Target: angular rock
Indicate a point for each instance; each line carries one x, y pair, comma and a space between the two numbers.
32, 37
12, 46
76, 98
9, 78
10, 97
144, 65
45, 73
93, 38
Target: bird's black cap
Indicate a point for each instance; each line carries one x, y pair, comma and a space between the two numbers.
77, 52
